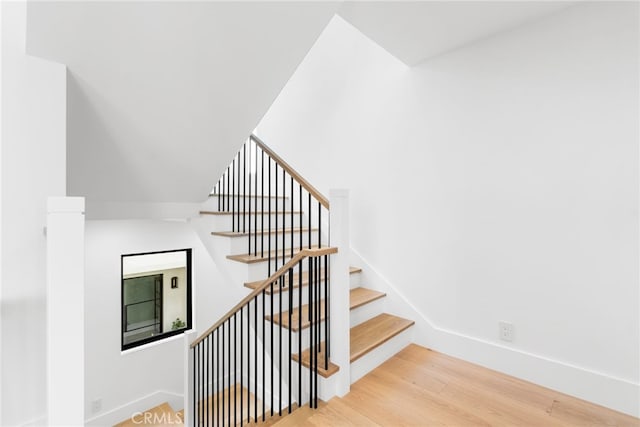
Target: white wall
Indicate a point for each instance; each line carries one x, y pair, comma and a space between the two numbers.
33, 168
117, 378
496, 182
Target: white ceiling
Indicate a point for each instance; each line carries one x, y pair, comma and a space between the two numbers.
418, 30
162, 94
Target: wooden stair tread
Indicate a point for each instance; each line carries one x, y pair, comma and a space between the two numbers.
260, 232
296, 281
295, 316
374, 332
332, 368
241, 394
273, 212
361, 296
357, 298
250, 259
274, 419
161, 416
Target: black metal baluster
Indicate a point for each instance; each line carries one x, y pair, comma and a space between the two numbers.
255, 216
319, 225
195, 396
202, 399
244, 187
292, 227
222, 379
264, 337
262, 208
235, 368
233, 198
248, 362
300, 302
206, 380
255, 359
218, 191
284, 216
218, 419
271, 318
237, 196
229, 373
327, 301
309, 215
317, 334
311, 340
275, 234
241, 364
249, 239
281, 319
289, 352
269, 223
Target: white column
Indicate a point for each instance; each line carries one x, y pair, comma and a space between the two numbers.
65, 311
339, 311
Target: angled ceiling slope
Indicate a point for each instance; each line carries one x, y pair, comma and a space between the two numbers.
162, 94
413, 31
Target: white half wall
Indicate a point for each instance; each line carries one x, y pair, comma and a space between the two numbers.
33, 169
498, 182
125, 382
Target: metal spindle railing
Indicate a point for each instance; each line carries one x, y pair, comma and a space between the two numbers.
219, 354
258, 184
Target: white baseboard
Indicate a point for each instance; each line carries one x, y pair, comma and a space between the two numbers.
602, 389
124, 412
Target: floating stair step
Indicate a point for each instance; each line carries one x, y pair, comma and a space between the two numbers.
273, 212
250, 258
295, 317
253, 196
375, 332
357, 298
276, 419
331, 369
361, 296
296, 281
160, 416
243, 398
261, 233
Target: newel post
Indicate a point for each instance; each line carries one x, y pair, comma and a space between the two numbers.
339, 308
65, 311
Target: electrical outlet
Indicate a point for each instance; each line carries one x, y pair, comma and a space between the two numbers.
96, 406
506, 331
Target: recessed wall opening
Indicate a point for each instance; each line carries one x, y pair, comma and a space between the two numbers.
155, 296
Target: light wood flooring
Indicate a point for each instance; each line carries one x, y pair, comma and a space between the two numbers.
420, 387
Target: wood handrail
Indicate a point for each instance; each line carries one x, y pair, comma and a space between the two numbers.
304, 253
291, 171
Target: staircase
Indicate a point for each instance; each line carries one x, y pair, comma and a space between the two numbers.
268, 356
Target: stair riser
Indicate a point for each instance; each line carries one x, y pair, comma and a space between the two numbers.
225, 222
380, 354
353, 278
259, 270
212, 203
238, 245
367, 311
